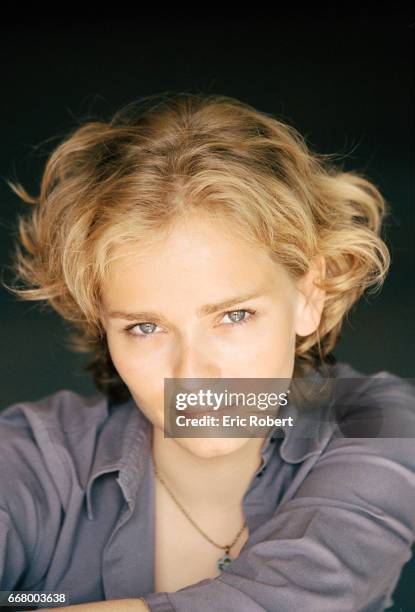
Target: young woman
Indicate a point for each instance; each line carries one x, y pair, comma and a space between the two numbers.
199, 238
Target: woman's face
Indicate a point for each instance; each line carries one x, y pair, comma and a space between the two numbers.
186, 287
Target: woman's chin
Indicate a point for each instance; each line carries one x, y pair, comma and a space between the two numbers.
211, 447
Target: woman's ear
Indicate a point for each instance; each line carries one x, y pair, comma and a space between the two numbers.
310, 298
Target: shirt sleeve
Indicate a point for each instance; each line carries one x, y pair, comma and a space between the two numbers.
12, 553
29, 506
339, 543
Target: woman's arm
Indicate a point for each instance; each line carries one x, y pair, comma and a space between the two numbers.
339, 544
113, 605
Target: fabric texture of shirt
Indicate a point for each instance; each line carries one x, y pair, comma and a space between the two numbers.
331, 519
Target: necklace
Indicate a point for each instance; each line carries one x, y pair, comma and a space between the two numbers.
226, 559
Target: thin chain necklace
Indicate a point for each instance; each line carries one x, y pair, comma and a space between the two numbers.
226, 559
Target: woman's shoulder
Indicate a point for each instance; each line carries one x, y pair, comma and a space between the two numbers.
64, 409
32, 433
379, 404
48, 448
53, 443
45, 444
348, 406
344, 369
371, 416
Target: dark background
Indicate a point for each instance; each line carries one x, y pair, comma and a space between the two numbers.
345, 81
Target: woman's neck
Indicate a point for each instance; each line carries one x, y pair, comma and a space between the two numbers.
218, 482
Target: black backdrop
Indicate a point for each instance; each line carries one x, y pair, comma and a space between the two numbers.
344, 80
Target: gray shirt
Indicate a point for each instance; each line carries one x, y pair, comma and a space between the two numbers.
331, 518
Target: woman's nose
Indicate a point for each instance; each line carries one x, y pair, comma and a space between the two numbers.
195, 361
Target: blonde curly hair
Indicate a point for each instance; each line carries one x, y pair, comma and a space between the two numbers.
119, 182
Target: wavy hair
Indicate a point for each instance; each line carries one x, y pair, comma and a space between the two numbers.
119, 182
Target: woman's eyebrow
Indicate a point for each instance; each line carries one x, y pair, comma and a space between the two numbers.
207, 309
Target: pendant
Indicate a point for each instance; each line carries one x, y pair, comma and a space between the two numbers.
224, 561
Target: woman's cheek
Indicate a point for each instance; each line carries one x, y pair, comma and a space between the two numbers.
126, 355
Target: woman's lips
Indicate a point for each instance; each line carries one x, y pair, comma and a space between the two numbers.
195, 412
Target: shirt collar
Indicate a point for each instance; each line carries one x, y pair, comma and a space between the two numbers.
311, 429
125, 442
124, 445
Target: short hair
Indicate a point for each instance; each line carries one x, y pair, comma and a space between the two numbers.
161, 158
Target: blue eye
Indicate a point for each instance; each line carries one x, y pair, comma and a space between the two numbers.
240, 321
143, 335
230, 313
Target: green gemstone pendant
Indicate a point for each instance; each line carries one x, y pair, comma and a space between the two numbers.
225, 560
